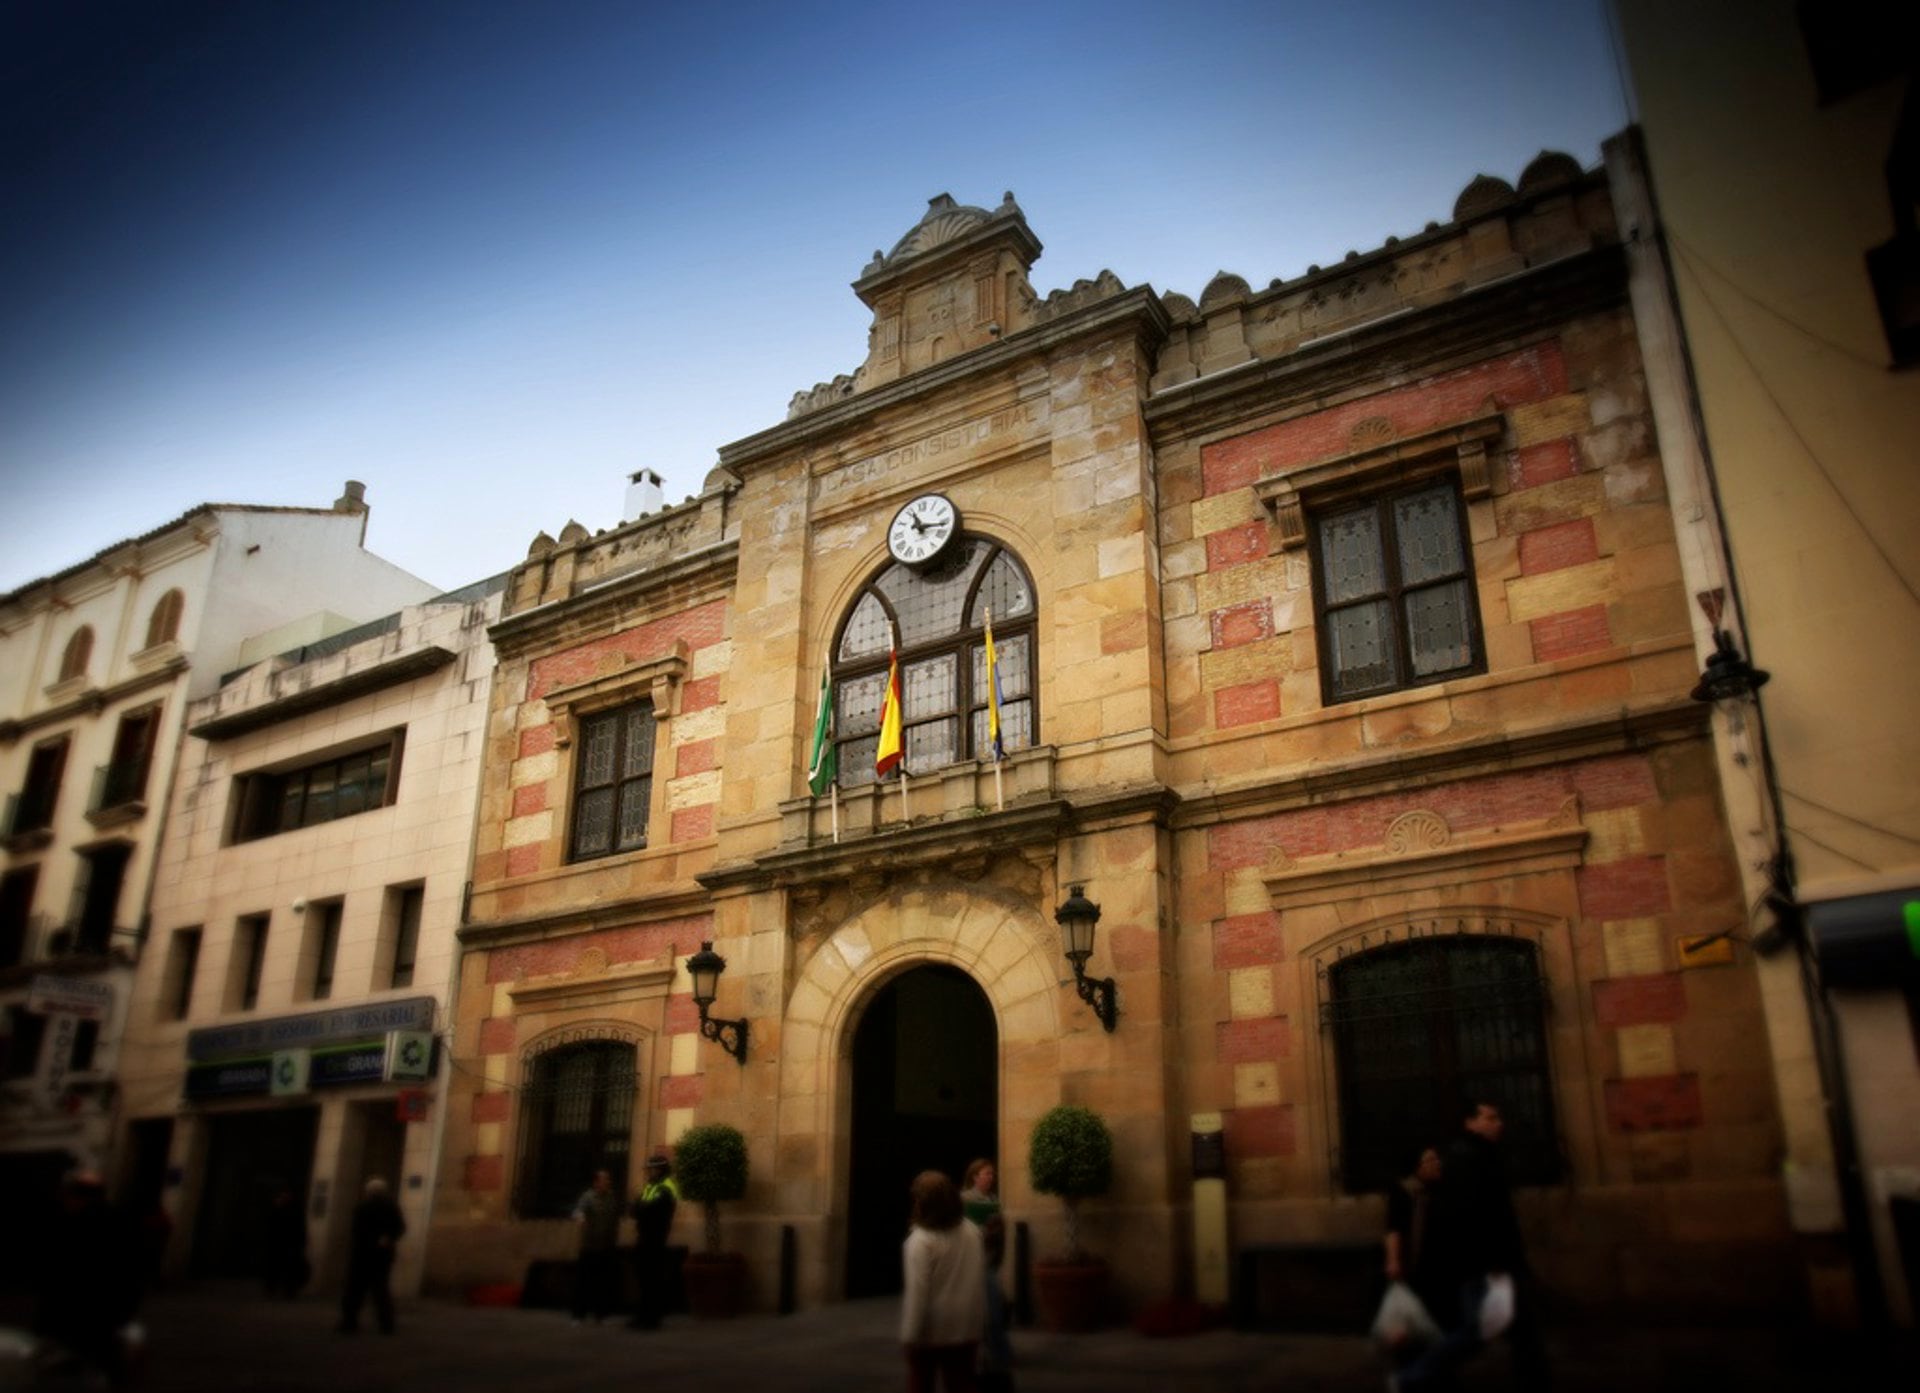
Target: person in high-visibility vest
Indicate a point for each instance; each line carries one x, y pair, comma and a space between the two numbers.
653, 1211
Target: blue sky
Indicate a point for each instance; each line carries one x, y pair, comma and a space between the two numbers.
489, 257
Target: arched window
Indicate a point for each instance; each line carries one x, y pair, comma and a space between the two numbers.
1423, 1027
576, 1117
163, 625
938, 616
79, 652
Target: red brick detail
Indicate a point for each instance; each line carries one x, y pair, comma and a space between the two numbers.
1668, 1103
683, 1017
1233, 545
692, 824
1134, 949
537, 740
1557, 547
1544, 464
698, 696
682, 1091
496, 1035
1621, 781
696, 757
1246, 940
1246, 703
1629, 889
1248, 623
1267, 1131
1655, 999
1253, 1041
486, 1173
636, 943
1567, 635
491, 1107
523, 860
529, 798
699, 627
1532, 374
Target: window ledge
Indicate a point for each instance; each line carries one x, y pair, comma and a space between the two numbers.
119, 815
1380, 456
69, 689
158, 656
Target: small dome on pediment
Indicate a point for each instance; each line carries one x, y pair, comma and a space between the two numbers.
1223, 287
1483, 195
1549, 167
945, 221
571, 533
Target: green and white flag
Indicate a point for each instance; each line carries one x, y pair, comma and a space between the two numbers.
824, 768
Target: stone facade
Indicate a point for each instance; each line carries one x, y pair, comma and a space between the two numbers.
1162, 469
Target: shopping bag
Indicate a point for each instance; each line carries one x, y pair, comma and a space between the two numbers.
1496, 1308
1402, 1318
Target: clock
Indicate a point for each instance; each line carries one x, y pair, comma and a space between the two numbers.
921, 531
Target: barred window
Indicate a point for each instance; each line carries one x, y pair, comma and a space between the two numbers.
1423, 1027
939, 615
613, 781
576, 1118
1393, 585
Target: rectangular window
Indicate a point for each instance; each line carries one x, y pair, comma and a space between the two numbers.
86, 1041
613, 781
249, 957
183, 963
32, 807
124, 779
16, 909
1393, 588
96, 896
284, 800
322, 948
400, 933
20, 1048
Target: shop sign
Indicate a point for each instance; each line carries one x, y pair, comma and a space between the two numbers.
87, 998
311, 1030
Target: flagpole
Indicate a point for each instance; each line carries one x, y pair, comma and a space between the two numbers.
906, 817
993, 707
833, 789
999, 793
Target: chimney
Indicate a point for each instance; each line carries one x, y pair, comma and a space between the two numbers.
353, 499
644, 495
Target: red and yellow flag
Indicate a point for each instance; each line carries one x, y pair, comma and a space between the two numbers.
886, 756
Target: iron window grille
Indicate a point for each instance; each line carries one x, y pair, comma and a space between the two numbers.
939, 615
1422, 1027
576, 1117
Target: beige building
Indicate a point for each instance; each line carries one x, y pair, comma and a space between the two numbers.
1344, 663
286, 1019
1784, 156
97, 666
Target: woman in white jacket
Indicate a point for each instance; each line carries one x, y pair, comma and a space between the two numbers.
944, 1312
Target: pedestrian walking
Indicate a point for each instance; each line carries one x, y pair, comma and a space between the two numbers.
653, 1210
89, 1277
596, 1271
980, 1200
377, 1229
943, 1313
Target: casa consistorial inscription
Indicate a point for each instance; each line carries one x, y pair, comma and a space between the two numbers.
1006, 424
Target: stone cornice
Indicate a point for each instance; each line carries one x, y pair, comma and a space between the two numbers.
676, 903
1423, 339
623, 983
390, 672
521, 633
90, 702
1139, 307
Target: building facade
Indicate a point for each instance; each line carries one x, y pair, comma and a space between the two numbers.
1342, 662
1781, 149
286, 1024
97, 666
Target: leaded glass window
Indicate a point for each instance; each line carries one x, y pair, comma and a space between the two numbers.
613, 781
1424, 1027
1395, 593
939, 616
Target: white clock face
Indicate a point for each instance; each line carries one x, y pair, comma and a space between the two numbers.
922, 529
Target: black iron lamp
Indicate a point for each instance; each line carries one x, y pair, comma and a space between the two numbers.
1729, 676
705, 968
1076, 919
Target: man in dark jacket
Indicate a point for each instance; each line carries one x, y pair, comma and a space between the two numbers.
89, 1276
377, 1227
653, 1220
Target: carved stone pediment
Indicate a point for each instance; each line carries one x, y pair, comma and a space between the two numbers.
658, 679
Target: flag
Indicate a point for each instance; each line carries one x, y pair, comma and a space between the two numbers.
886, 756
995, 744
824, 767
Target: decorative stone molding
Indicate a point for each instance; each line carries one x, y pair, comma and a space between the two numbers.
658, 679
612, 1032
1419, 848
593, 985
1378, 456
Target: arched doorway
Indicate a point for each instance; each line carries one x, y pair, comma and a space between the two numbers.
925, 1097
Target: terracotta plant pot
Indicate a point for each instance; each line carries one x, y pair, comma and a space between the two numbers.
1073, 1295
716, 1284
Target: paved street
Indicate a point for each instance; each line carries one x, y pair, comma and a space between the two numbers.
229, 1338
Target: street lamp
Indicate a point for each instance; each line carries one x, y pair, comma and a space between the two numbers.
1728, 676
705, 968
1076, 919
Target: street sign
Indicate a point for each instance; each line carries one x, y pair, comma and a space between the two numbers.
409, 1054
289, 1074
89, 998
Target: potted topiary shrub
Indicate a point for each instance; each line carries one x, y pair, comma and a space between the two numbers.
710, 1164
1071, 1156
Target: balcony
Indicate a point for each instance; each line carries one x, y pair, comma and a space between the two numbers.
28, 822
119, 793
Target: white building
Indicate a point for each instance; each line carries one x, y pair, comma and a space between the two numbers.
285, 1026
